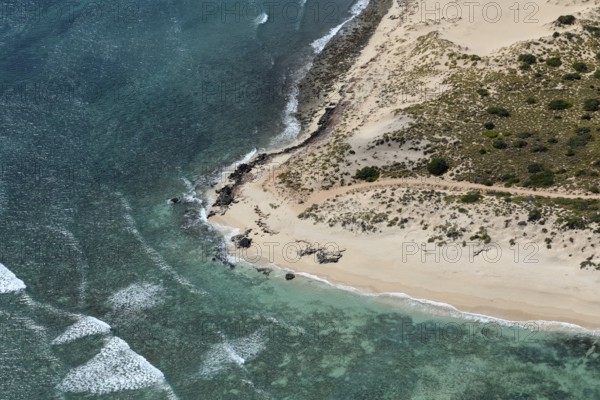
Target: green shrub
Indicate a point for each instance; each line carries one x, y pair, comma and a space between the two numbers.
535, 167
491, 134
369, 174
539, 148
483, 92
572, 76
500, 111
597, 74
519, 144
438, 166
524, 135
553, 62
472, 197
559, 104
527, 59
580, 67
555, 35
596, 164
574, 223
489, 126
591, 105
566, 20
581, 138
530, 100
594, 30
541, 179
499, 144
534, 215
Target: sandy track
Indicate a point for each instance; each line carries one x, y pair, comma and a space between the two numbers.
440, 184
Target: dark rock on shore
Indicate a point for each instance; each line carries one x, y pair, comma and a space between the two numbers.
242, 240
174, 200
264, 271
239, 172
289, 276
326, 257
225, 196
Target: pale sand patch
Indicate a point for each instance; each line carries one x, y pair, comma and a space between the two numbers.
553, 288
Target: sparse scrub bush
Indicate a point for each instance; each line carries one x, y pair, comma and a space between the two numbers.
571, 76
527, 59
559, 104
500, 111
591, 105
534, 215
580, 67
369, 174
472, 197
499, 144
438, 166
566, 20
553, 62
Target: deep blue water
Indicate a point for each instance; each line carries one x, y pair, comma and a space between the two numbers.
109, 109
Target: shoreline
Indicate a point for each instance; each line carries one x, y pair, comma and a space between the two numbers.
253, 203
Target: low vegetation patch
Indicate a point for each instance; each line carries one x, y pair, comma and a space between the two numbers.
369, 174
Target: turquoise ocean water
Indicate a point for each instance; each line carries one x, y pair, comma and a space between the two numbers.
108, 109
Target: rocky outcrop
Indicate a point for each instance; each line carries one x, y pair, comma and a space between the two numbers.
326, 257
225, 196
323, 255
242, 240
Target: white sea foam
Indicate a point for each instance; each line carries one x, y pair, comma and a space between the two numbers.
319, 44
9, 282
138, 297
86, 326
261, 19
203, 215
244, 160
291, 123
115, 368
190, 196
231, 353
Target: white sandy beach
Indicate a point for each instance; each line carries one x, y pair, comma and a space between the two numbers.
515, 276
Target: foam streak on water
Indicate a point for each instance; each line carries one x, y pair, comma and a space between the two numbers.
86, 326
114, 369
230, 353
444, 309
292, 125
319, 44
261, 19
137, 297
153, 254
9, 282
